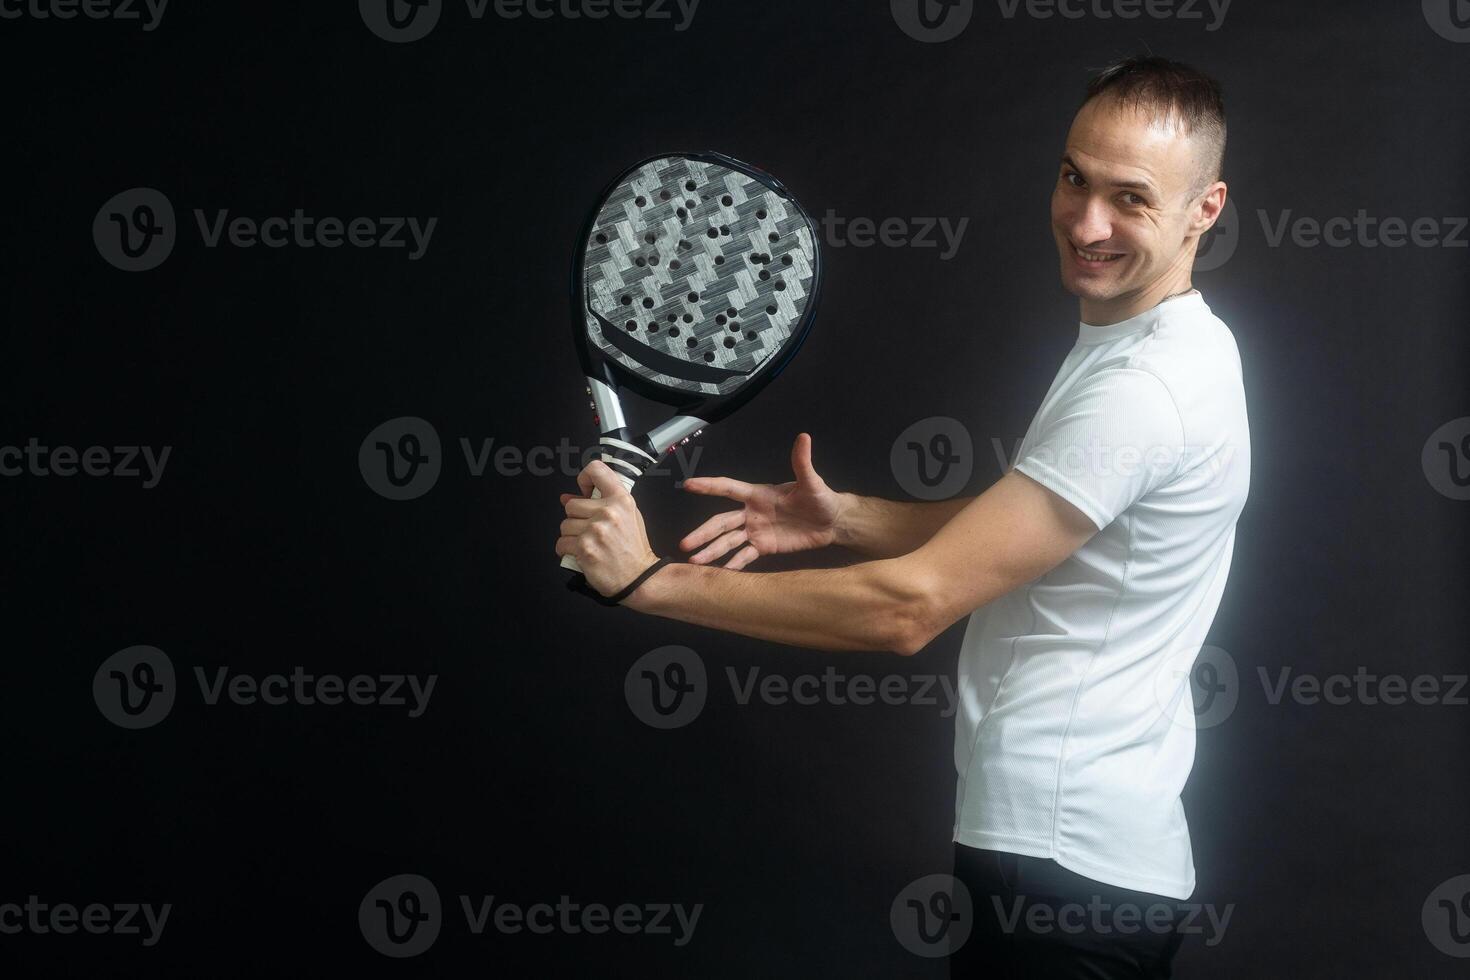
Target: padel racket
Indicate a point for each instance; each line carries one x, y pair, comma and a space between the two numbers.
694, 284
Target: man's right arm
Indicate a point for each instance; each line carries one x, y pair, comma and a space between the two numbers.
878, 528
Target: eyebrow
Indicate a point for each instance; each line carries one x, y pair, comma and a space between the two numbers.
1136, 185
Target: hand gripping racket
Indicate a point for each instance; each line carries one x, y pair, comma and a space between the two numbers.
694, 284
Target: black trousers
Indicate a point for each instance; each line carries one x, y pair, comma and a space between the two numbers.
1032, 918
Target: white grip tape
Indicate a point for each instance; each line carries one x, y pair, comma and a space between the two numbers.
567, 561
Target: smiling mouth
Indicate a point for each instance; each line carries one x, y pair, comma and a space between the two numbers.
1101, 257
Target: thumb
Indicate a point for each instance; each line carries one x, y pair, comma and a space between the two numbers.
801, 460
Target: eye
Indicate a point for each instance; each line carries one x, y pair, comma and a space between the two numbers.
1069, 176
1134, 199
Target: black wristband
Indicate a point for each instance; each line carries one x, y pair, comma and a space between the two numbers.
578, 583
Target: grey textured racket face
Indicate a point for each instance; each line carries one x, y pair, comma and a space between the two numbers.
695, 275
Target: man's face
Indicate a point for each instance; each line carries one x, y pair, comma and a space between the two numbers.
1121, 211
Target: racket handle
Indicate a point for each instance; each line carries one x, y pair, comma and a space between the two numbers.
567, 561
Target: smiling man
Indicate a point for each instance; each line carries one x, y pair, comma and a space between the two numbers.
1090, 572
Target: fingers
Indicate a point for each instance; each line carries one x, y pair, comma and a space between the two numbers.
719, 546
720, 486
581, 506
801, 460
573, 528
716, 525
742, 558
597, 475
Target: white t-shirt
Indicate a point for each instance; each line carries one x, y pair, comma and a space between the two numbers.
1075, 733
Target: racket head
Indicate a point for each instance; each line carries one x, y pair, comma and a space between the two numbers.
695, 281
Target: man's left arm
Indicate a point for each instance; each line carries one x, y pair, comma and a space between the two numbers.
1011, 534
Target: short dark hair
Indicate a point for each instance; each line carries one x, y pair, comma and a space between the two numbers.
1171, 90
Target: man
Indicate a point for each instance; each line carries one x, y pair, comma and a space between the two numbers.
1090, 572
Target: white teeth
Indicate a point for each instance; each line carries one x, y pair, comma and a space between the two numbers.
1095, 256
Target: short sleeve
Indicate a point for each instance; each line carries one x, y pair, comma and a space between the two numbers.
1113, 438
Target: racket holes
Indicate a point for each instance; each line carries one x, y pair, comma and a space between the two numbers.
652, 327
673, 318
750, 335
688, 317
673, 265
785, 260
714, 233
673, 331
764, 275
781, 287
724, 229
648, 301
653, 260
732, 312
663, 195
760, 215
771, 310
690, 185
709, 356
775, 238
729, 342
694, 297
627, 301
650, 238
640, 200
685, 245
693, 342
719, 260
632, 325
682, 214
601, 238
727, 200
721, 319
690, 205
639, 262
734, 327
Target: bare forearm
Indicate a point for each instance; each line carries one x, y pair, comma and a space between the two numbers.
881, 528
871, 606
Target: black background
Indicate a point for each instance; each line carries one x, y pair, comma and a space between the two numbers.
262, 548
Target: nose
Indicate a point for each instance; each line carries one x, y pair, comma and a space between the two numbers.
1089, 221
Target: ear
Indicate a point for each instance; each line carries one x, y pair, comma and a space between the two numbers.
1208, 208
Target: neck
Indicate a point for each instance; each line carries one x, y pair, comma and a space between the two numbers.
1102, 313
